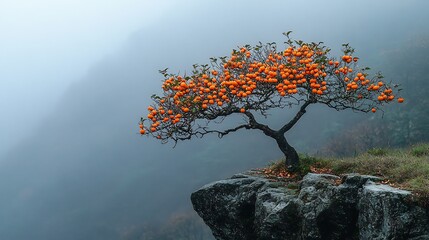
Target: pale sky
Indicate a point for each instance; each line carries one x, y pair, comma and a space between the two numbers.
45, 45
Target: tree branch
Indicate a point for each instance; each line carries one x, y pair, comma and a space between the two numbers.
255, 125
298, 115
225, 132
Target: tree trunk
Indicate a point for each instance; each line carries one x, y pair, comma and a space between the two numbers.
292, 158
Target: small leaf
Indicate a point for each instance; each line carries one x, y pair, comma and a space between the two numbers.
287, 33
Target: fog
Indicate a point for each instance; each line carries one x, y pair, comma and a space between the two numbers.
46, 45
75, 79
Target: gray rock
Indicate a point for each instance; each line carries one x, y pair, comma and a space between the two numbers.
316, 195
253, 208
357, 180
277, 214
228, 206
386, 214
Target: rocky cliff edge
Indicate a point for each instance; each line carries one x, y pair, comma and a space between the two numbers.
322, 206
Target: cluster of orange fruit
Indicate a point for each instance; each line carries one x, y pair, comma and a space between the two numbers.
302, 69
361, 80
158, 116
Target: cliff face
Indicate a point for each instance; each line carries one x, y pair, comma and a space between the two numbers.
322, 207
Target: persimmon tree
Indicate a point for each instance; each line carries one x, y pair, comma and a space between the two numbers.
256, 79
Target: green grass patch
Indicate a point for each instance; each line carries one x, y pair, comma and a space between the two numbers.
378, 152
306, 163
420, 150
